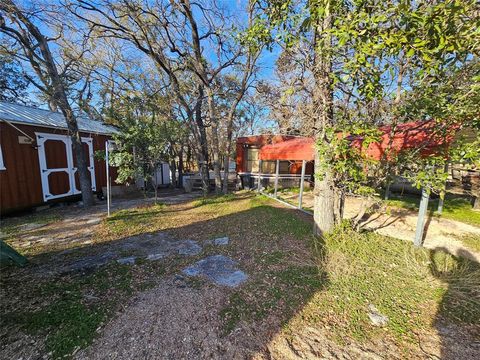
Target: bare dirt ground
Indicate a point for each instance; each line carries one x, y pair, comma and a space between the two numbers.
178, 317
176, 321
440, 233
77, 226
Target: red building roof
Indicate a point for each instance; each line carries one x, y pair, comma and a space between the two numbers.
421, 134
299, 148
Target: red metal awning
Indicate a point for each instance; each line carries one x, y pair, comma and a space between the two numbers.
299, 148
419, 134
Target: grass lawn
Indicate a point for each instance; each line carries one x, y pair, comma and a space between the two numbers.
471, 241
455, 207
295, 280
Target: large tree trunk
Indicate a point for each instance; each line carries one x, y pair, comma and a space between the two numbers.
202, 156
55, 90
83, 173
327, 206
173, 169
226, 171
229, 143
215, 143
180, 168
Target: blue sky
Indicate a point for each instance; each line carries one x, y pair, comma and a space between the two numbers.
266, 62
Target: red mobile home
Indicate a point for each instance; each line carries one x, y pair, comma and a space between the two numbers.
250, 150
429, 136
37, 164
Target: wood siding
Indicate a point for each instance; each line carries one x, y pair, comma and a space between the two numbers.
20, 182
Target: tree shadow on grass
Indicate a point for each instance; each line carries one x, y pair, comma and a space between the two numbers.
168, 315
458, 317
270, 244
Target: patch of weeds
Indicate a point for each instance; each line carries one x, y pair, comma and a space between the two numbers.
411, 286
71, 324
471, 241
460, 294
272, 258
214, 200
69, 321
284, 222
133, 221
281, 292
232, 314
281, 222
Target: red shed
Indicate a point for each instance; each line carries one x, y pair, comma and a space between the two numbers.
37, 164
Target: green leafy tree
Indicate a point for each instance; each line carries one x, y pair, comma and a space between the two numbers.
145, 138
453, 99
364, 55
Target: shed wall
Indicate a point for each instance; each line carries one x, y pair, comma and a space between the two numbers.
20, 182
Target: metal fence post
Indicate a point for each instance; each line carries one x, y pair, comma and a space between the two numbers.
259, 178
387, 190
440, 202
422, 211
108, 177
277, 171
442, 193
302, 180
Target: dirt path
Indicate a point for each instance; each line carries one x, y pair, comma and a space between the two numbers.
440, 233
172, 321
401, 223
77, 225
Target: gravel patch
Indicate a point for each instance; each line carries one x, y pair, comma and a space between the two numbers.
167, 322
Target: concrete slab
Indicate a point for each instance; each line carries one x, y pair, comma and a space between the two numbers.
221, 241
188, 247
219, 269
127, 261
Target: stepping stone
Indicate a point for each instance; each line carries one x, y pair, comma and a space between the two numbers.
127, 261
219, 269
221, 241
153, 257
188, 247
94, 221
376, 317
218, 241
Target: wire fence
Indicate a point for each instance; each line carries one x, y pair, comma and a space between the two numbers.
294, 190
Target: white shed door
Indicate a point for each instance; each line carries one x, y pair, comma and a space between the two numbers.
57, 165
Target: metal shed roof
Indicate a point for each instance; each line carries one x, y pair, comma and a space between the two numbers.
29, 115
